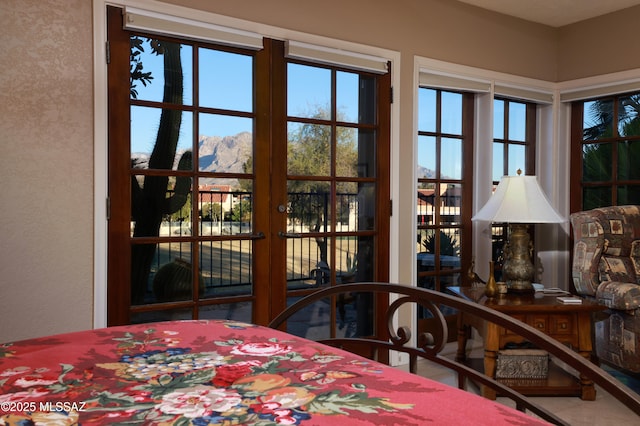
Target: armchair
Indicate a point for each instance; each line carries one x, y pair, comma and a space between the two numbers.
606, 267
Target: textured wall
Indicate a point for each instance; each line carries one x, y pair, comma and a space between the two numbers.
46, 167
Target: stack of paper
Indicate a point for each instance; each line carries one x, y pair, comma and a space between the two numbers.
569, 299
552, 290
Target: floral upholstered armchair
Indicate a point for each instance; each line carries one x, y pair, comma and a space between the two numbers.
606, 267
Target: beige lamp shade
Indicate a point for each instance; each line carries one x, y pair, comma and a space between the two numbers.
518, 199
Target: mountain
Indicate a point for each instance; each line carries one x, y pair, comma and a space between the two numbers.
423, 172
220, 154
225, 154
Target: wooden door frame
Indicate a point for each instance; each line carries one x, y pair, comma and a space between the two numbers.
118, 248
270, 92
270, 84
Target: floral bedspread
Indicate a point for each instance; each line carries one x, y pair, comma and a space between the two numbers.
219, 373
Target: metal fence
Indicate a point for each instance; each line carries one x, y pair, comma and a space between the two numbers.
225, 265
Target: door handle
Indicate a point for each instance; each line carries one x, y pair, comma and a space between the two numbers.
289, 234
259, 236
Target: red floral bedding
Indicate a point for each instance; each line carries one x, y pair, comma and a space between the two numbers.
219, 373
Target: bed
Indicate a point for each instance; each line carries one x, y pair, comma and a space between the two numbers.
225, 372
220, 372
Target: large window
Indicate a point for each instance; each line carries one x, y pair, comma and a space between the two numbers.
605, 152
513, 150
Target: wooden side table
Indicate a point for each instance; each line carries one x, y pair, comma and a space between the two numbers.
567, 323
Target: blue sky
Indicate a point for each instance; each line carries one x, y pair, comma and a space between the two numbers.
451, 149
226, 83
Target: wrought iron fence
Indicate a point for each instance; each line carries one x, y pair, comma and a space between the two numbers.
226, 264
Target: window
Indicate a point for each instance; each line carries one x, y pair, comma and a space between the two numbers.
513, 138
509, 123
503, 117
513, 149
445, 153
605, 153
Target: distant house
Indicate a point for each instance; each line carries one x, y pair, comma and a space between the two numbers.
449, 204
208, 195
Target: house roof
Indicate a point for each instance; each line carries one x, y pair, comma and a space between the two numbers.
213, 193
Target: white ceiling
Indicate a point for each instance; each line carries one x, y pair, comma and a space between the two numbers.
555, 13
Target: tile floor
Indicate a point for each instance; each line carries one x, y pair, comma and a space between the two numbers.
605, 410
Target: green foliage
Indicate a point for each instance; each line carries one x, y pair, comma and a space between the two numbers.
184, 212
598, 154
629, 116
136, 67
309, 153
601, 115
309, 150
241, 212
448, 246
597, 162
334, 402
212, 212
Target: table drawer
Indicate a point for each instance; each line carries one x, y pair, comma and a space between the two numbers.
539, 322
562, 324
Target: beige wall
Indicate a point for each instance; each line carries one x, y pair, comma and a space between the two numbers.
46, 167
439, 29
599, 46
46, 125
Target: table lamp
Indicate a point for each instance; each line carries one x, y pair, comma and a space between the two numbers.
518, 201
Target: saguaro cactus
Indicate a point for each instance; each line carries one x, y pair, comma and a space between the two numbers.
149, 201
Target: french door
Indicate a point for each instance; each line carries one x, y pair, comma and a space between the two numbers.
240, 180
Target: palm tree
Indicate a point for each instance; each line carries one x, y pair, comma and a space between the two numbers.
599, 152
